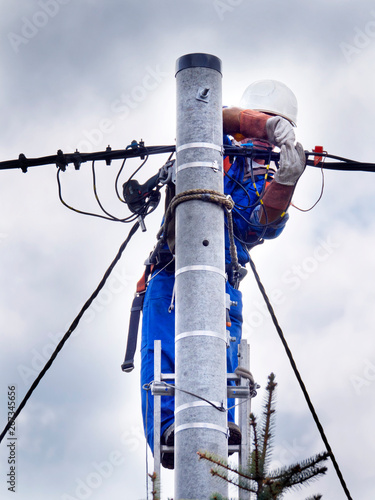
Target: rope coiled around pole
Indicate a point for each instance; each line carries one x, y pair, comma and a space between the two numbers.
207, 195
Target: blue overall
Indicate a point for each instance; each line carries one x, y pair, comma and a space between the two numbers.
158, 322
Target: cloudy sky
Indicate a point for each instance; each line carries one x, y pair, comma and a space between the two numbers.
85, 74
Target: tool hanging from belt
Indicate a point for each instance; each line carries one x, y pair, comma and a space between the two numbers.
135, 313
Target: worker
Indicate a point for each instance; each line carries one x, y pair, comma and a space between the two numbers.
266, 116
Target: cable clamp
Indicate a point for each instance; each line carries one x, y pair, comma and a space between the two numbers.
22, 160
77, 159
244, 373
108, 161
167, 173
319, 151
61, 161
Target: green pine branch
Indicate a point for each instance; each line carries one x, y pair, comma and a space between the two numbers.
267, 421
257, 479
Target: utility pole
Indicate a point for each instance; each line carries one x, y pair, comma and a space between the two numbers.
200, 335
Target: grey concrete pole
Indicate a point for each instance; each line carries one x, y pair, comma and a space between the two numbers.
200, 340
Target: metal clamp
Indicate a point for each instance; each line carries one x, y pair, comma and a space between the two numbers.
207, 145
199, 333
214, 165
201, 425
167, 173
197, 267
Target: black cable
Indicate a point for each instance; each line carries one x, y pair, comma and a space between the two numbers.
300, 381
71, 329
129, 219
252, 177
237, 209
112, 217
324, 154
116, 181
138, 168
77, 158
240, 185
221, 408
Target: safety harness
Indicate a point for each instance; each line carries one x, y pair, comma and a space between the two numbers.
164, 260
158, 258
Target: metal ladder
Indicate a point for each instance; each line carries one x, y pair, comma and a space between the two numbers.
241, 391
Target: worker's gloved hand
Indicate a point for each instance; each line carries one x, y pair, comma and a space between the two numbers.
279, 131
292, 164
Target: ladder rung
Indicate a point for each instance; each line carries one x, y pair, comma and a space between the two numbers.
164, 447
233, 391
234, 448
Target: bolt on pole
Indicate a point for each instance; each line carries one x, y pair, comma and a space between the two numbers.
200, 335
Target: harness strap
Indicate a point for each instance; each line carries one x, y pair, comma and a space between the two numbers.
135, 313
137, 305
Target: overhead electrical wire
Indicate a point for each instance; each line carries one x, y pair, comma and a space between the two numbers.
61, 160
71, 329
300, 381
293, 364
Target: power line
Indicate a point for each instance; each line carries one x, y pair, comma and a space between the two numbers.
62, 160
71, 329
300, 381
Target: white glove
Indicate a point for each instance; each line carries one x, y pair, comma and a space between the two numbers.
279, 131
292, 164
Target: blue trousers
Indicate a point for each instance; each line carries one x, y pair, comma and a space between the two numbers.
158, 324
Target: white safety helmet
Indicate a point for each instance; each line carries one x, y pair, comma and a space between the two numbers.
271, 96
